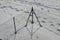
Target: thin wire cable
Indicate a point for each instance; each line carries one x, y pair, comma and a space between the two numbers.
32, 22
51, 31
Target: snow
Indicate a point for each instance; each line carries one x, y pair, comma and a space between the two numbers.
47, 13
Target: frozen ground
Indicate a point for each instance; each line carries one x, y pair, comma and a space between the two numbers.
48, 13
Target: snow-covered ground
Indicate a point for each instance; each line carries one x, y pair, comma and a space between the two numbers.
48, 13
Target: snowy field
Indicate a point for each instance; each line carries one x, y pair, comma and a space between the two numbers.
47, 11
